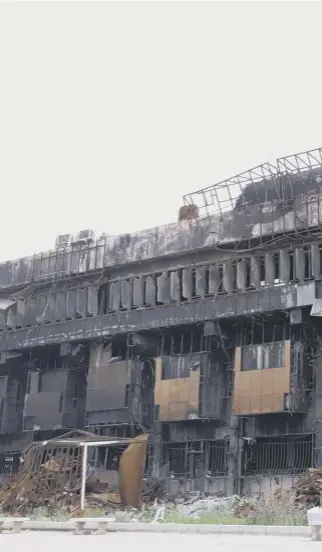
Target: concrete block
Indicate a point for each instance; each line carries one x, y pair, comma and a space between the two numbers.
228, 276
300, 531
163, 288
3, 318
254, 530
187, 283
11, 316
91, 257
138, 298
67, 258
24, 273
175, 286
214, 279
269, 270
201, 281
126, 294
71, 303
60, 306
241, 275
83, 259
278, 530
285, 266
44, 267
81, 302
92, 301
299, 260
52, 263
315, 260
74, 259
150, 291
114, 296
255, 272
232, 529
100, 252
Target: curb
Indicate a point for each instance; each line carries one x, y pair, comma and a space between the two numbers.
303, 531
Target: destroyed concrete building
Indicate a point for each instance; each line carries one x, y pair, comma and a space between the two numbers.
205, 333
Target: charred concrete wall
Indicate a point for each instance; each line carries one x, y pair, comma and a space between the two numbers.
170, 331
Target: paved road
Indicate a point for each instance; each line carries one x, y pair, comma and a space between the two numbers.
148, 542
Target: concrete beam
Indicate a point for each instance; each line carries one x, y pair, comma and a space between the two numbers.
222, 306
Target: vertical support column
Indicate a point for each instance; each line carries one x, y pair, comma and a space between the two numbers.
201, 281
285, 266
228, 276
175, 286
138, 299
255, 272
163, 288
299, 263
187, 283
269, 270
315, 260
214, 280
241, 275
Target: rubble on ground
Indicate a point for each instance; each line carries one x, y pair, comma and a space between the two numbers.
306, 492
50, 477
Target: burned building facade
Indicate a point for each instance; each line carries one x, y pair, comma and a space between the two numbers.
205, 333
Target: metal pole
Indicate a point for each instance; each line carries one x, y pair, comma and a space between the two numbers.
84, 470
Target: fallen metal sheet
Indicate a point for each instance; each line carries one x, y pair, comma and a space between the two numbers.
131, 471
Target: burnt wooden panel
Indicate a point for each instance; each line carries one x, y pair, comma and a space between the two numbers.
260, 391
176, 398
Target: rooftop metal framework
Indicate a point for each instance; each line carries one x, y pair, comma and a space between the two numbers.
262, 182
222, 197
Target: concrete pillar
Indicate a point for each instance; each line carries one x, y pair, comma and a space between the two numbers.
200, 281
187, 283
92, 301
299, 263
126, 294
214, 279
285, 266
175, 286
228, 276
315, 260
138, 299
269, 269
241, 275
163, 288
150, 291
255, 272
114, 296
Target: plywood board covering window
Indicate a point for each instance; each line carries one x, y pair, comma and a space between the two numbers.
261, 390
176, 398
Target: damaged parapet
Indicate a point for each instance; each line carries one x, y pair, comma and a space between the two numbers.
261, 202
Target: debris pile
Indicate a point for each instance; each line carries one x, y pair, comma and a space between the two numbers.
51, 477
308, 489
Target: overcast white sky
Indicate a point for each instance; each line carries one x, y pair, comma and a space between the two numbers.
110, 112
